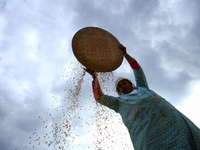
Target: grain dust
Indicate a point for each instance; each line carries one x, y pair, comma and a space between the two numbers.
75, 118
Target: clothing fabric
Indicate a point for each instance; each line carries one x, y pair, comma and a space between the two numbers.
133, 92
152, 122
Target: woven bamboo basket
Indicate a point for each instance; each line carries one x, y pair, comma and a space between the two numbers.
97, 48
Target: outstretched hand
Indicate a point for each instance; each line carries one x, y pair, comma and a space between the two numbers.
126, 55
91, 71
123, 48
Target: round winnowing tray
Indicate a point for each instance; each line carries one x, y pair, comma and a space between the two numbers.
97, 48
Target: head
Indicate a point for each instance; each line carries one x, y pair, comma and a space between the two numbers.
124, 85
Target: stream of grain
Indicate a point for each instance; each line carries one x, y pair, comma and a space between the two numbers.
69, 123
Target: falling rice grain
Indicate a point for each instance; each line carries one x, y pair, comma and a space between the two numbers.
64, 133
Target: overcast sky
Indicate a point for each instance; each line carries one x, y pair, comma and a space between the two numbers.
36, 60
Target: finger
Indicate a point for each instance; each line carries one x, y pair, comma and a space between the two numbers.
87, 70
90, 71
122, 47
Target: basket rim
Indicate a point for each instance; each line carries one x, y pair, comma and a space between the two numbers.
95, 35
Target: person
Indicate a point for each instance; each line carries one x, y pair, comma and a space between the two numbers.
153, 123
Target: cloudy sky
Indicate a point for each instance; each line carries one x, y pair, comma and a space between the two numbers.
36, 66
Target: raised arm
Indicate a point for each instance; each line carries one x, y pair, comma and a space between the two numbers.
106, 100
95, 83
138, 72
126, 55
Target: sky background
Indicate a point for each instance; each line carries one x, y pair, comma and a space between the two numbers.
36, 62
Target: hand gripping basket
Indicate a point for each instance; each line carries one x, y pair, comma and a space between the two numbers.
97, 48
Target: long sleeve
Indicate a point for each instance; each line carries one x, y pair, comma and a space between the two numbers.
96, 88
139, 74
109, 101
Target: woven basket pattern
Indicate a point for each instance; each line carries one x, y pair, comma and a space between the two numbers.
97, 48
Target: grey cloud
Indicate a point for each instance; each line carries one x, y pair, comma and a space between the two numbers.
159, 39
